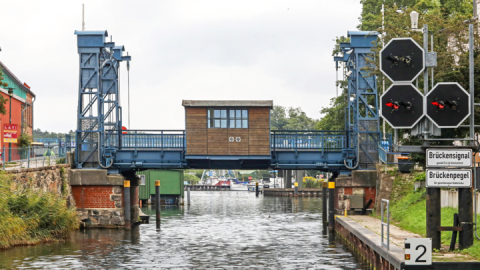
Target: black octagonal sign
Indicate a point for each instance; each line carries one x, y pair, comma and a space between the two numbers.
448, 105
402, 105
402, 60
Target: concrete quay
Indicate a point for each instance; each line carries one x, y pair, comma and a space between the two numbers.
362, 235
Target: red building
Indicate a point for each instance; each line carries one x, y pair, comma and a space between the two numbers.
21, 107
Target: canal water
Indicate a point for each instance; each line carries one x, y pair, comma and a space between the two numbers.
220, 230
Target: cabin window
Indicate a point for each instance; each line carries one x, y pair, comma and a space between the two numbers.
227, 118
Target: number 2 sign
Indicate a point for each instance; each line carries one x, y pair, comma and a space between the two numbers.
418, 251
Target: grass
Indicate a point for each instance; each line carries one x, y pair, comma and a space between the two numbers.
30, 218
408, 211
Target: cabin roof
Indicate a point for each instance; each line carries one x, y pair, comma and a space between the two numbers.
228, 103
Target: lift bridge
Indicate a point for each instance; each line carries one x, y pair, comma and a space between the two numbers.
208, 142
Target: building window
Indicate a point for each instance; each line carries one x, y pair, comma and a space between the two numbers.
227, 118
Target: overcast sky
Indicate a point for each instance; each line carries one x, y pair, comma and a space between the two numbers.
269, 50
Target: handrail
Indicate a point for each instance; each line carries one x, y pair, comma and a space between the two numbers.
138, 140
319, 140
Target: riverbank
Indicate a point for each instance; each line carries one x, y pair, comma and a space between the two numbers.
30, 215
408, 209
409, 214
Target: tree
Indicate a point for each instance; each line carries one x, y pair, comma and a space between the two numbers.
191, 178
3, 101
291, 119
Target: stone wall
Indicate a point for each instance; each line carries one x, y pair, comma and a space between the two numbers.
53, 179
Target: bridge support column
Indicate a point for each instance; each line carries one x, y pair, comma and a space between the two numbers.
288, 179
134, 200
98, 198
299, 177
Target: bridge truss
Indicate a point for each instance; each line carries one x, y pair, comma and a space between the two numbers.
101, 143
99, 111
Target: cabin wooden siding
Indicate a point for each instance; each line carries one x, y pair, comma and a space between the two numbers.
254, 140
196, 127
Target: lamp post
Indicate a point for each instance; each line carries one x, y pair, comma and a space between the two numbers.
10, 94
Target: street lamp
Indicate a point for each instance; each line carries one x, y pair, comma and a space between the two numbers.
414, 20
10, 94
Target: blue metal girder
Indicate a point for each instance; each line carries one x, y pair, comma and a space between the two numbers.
362, 116
99, 110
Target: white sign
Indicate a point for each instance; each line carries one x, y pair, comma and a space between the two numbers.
449, 157
418, 251
448, 178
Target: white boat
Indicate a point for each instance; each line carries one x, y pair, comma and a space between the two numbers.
238, 187
251, 187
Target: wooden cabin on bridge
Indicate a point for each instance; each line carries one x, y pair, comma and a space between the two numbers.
227, 128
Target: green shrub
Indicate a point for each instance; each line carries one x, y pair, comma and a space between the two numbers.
29, 218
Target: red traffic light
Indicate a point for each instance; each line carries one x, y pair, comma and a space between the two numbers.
393, 105
440, 105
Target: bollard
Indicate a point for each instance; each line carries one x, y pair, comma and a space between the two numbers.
157, 203
295, 192
345, 212
188, 196
126, 205
331, 202
324, 204
256, 189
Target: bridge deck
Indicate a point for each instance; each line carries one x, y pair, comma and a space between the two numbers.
145, 149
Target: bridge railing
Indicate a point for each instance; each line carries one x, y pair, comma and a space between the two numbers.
147, 139
315, 140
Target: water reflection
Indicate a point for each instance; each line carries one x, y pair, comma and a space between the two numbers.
218, 230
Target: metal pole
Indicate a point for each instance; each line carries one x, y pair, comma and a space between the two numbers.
157, 203
431, 46
472, 83
28, 158
126, 205
383, 76
256, 189
331, 202
324, 204
188, 195
10, 121
465, 200
425, 78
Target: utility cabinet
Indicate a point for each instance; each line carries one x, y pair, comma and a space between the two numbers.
171, 186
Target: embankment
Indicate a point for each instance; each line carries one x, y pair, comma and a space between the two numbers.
36, 205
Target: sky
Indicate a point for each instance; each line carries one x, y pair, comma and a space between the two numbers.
205, 50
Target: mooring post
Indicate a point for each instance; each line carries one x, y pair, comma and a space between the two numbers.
295, 191
188, 195
324, 204
331, 202
465, 217
434, 216
126, 205
256, 189
157, 203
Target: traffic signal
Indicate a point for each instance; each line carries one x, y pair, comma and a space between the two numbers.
402, 105
402, 60
448, 105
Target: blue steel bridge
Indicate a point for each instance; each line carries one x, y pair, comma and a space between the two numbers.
148, 149
101, 143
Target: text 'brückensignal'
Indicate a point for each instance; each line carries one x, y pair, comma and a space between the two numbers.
443, 155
